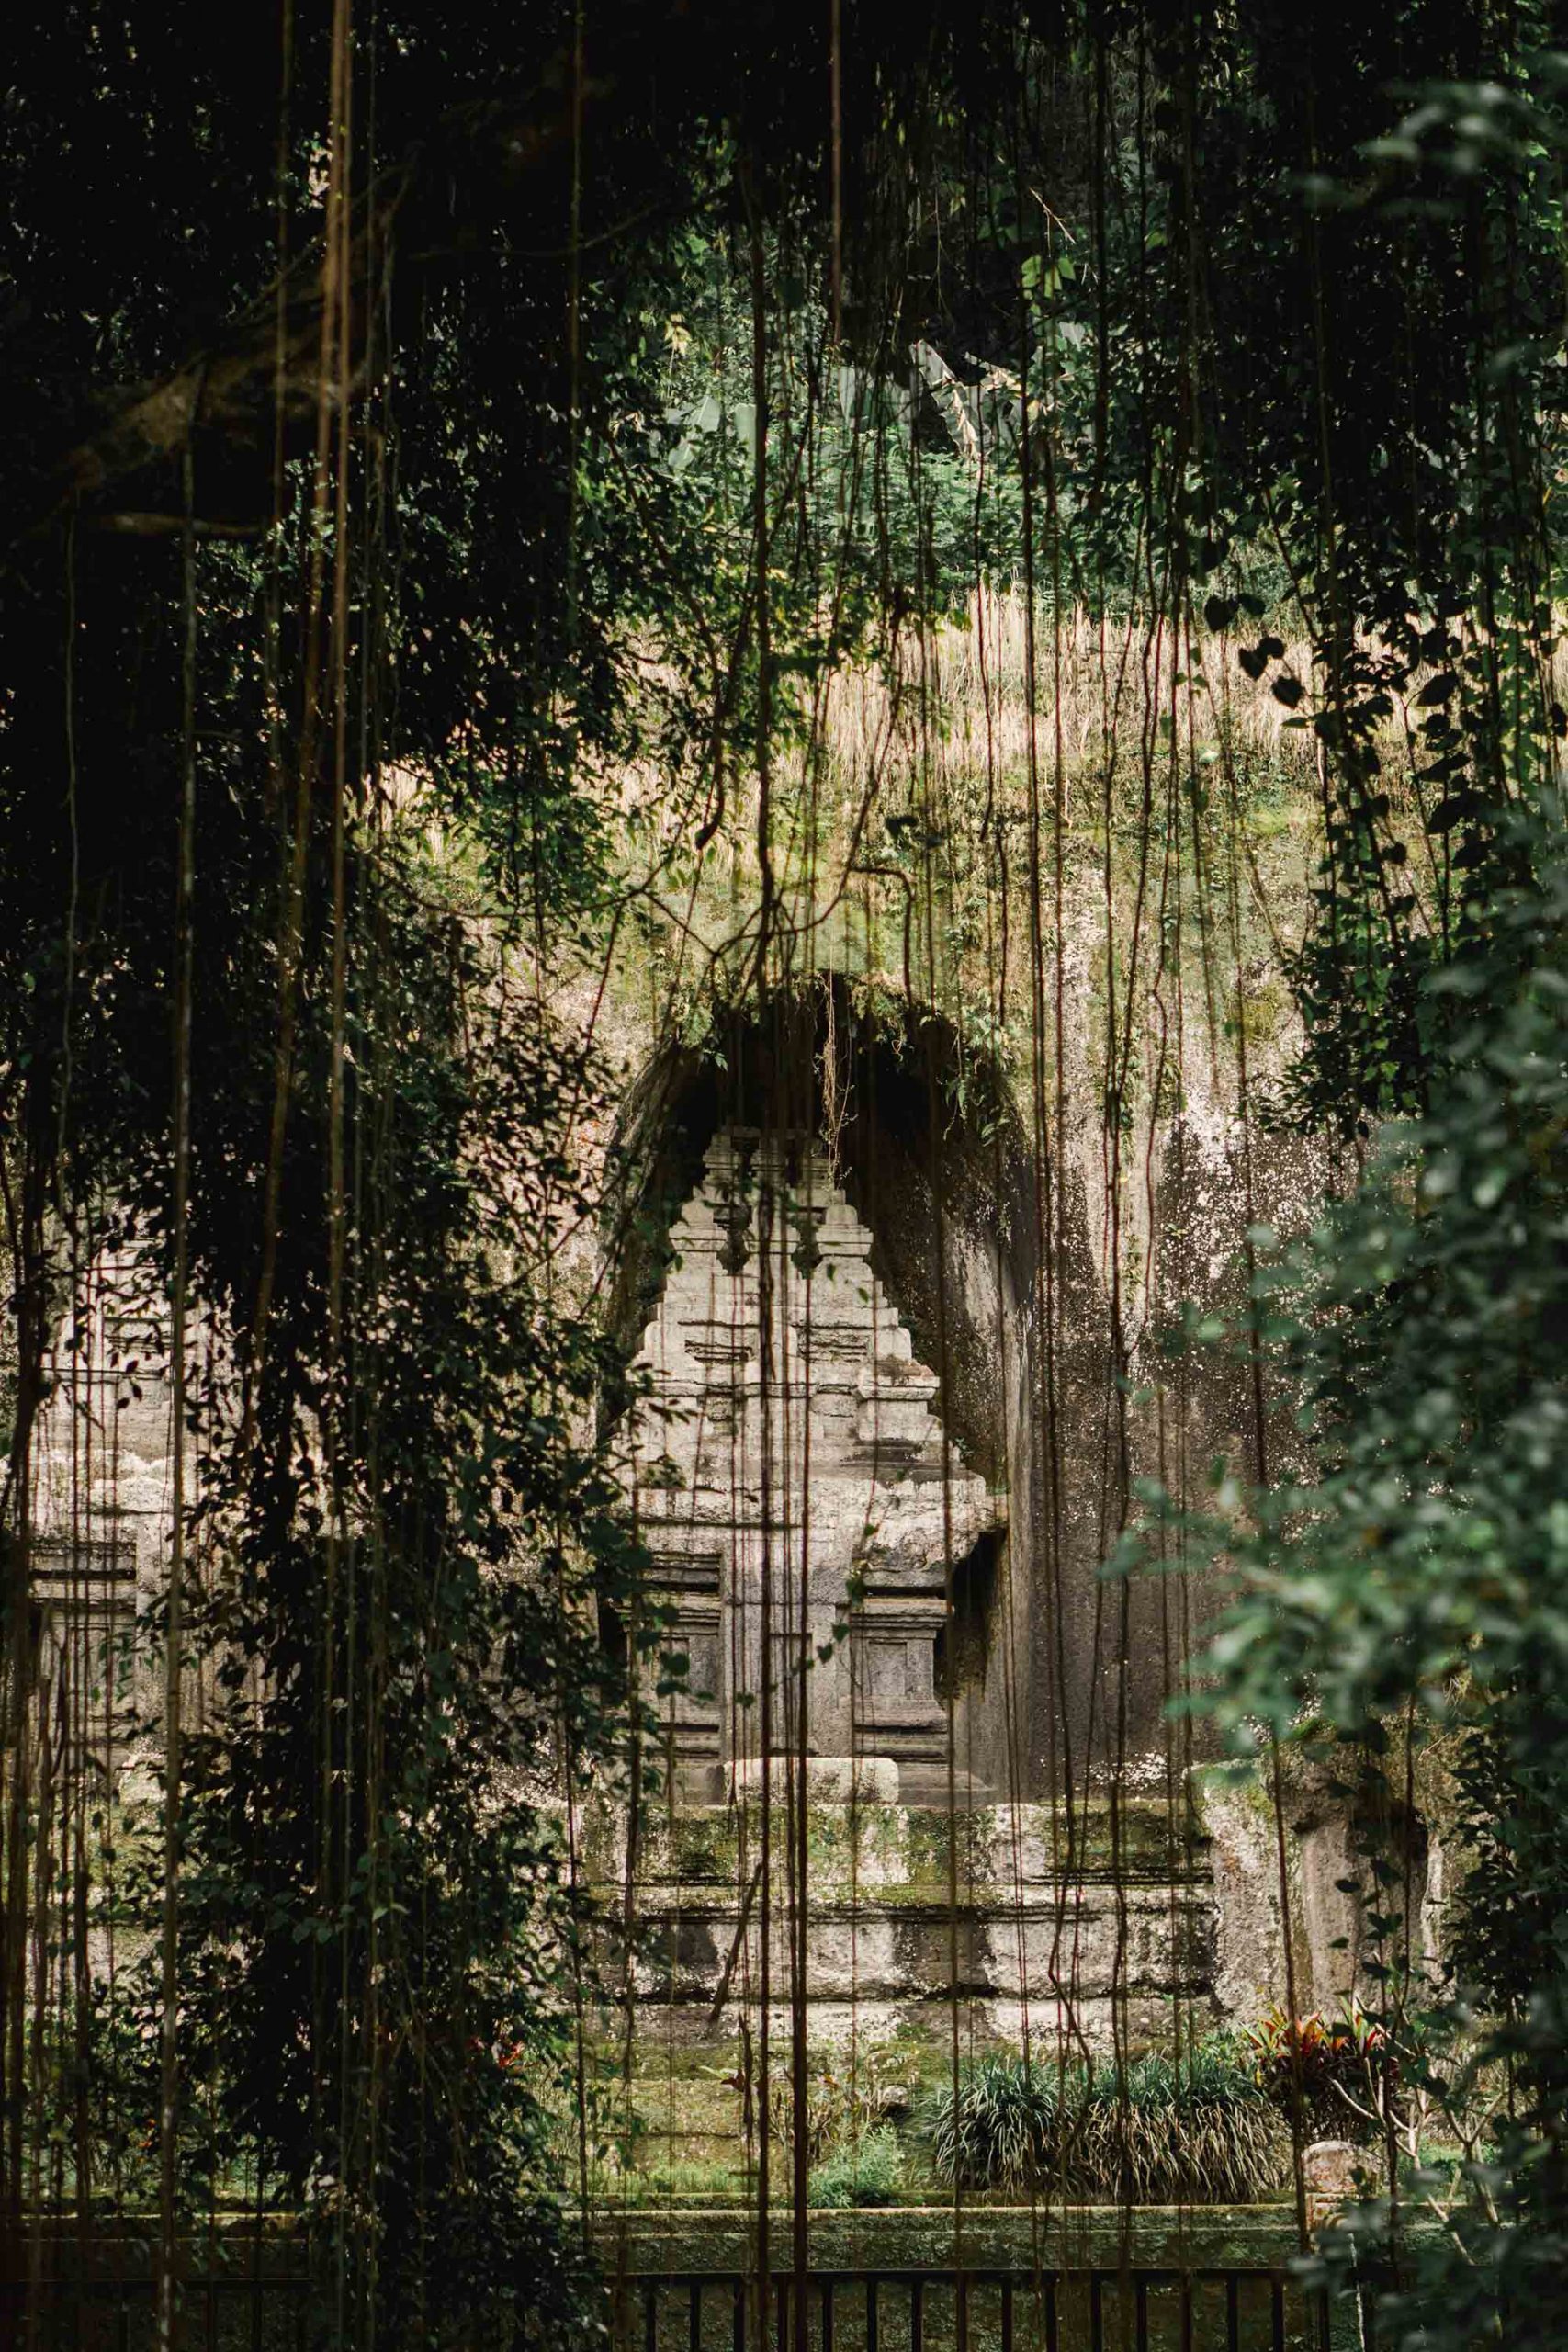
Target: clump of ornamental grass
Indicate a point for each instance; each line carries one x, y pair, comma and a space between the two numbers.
1198, 2130
1000, 2128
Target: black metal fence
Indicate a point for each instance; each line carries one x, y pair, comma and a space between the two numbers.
1088, 2309
221, 2310
1139, 2309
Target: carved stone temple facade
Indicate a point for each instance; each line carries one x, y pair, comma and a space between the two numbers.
870, 1451
799, 1500
816, 1539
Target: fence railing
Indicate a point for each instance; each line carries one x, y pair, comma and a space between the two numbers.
1141, 2309
217, 2311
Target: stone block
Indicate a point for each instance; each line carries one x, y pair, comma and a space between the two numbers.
829, 1779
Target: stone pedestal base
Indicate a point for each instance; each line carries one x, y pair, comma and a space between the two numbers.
829, 1779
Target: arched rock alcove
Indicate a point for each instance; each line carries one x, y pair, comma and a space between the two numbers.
862, 1194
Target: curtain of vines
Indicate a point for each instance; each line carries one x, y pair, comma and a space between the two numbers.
1029, 531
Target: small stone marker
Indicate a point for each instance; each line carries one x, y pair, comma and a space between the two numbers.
1328, 2167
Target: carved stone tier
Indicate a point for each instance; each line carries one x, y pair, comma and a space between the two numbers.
1058, 1931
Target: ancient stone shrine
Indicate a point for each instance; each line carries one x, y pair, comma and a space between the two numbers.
984, 1833
799, 1499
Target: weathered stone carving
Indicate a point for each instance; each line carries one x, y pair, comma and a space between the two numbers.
796, 1488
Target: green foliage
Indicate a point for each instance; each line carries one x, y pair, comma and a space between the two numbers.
998, 2129
870, 2171
377, 1936
1334, 2071
1157, 2132
1418, 1328
845, 2102
1419, 1571
682, 2180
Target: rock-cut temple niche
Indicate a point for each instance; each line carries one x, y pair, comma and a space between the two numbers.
798, 1497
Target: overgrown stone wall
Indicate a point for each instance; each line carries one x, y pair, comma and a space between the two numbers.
980, 1396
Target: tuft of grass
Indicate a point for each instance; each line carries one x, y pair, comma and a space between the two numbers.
1200, 2132
999, 2130
680, 2180
869, 2173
